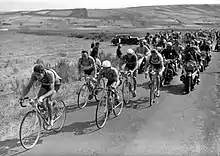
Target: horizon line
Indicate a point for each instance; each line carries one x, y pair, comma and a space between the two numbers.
115, 8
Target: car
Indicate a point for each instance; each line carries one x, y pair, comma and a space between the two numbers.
125, 39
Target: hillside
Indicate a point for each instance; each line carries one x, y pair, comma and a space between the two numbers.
135, 18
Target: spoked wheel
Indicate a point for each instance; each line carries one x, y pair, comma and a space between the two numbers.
59, 111
30, 130
83, 95
117, 107
126, 92
152, 93
101, 112
100, 90
188, 84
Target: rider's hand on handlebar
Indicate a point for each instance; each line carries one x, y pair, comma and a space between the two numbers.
80, 78
20, 101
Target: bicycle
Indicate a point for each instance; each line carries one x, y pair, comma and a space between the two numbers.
39, 114
127, 86
88, 87
152, 85
106, 105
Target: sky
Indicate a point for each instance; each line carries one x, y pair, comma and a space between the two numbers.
16, 5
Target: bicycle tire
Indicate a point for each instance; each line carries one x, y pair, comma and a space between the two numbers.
21, 129
101, 102
125, 98
152, 93
78, 98
100, 88
63, 114
121, 104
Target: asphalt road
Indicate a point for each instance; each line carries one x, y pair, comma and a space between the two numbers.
176, 124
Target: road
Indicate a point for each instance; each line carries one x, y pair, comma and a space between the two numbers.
175, 125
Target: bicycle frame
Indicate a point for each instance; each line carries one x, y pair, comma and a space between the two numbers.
127, 76
34, 104
109, 92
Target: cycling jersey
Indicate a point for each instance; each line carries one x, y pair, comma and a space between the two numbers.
142, 50
130, 60
156, 61
50, 77
111, 75
86, 62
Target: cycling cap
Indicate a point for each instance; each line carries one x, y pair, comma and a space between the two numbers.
106, 64
39, 68
130, 51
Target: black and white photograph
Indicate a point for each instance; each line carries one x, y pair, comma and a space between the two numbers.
109, 78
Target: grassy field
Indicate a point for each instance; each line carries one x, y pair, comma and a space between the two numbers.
58, 41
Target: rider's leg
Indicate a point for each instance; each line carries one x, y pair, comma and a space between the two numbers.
114, 85
50, 104
142, 65
135, 82
43, 90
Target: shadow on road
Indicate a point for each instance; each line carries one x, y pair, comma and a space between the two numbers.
140, 103
144, 85
176, 89
73, 108
7, 147
80, 128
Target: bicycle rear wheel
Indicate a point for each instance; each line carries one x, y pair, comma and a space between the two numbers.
126, 94
83, 95
59, 115
102, 109
29, 124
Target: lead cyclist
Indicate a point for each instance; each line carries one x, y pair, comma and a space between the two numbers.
155, 61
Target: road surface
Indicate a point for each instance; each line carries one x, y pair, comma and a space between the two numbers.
176, 125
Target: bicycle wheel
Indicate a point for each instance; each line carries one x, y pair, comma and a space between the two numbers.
59, 115
100, 90
30, 121
83, 95
102, 109
152, 93
117, 108
126, 94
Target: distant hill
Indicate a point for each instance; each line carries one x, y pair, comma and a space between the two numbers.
177, 16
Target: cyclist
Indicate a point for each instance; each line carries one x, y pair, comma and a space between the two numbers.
111, 74
50, 84
86, 64
155, 61
131, 64
141, 51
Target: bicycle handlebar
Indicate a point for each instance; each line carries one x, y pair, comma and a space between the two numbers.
22, 101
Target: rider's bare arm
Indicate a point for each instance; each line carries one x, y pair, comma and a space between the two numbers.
79, 65
100, 75
147, 62
28, 87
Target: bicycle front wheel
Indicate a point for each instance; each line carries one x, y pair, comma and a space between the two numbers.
59, 115
30, 130
117, 107
83, 95
100, 90
126, 93
152, 93
101, 113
